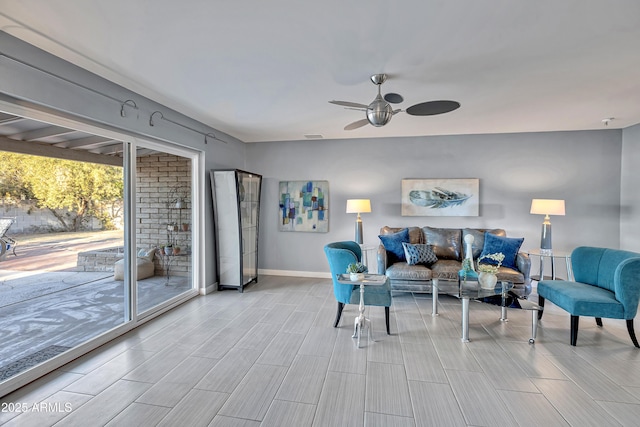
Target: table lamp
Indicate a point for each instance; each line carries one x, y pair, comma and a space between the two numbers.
358, 206
546, 207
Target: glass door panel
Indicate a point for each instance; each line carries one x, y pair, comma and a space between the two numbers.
163, 221
62, 240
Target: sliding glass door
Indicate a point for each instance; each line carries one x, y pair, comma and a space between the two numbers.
97, 231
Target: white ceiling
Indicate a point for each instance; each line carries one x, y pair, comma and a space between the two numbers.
264, 70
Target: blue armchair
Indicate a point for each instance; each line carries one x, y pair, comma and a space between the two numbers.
340, 255
607, 284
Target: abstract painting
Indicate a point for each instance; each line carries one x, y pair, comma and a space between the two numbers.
440, 197
304, 206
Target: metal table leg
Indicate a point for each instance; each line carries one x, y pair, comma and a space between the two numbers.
465, 319
434, 297
534, 326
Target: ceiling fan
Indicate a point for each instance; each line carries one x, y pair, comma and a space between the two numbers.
380, 111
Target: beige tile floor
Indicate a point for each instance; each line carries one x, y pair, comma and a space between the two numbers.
271, 357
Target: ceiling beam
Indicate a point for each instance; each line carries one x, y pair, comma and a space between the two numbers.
11, 120
38, 149
88, 141
45, 132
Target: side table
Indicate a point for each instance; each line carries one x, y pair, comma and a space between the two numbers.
361, 321
553, 257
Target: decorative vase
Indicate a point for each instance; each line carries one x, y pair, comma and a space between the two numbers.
185, 226
168, 250
356, 276
487, 280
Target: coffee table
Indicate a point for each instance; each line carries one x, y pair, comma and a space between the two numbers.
499, 295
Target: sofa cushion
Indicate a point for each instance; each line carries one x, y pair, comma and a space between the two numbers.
505, 273
446, 242
478, 238
393, 243
507, 245
446, 269
404, 271
419, 254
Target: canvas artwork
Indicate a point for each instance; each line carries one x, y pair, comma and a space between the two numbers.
304, 206
440, 197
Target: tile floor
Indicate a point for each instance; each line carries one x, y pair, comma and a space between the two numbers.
271, 357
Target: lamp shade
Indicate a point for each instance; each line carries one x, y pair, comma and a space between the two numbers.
547, 207
358, 206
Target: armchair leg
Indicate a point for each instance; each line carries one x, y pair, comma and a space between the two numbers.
541, 304
386, 318
574, 329
599, 321
632, 334
338, 314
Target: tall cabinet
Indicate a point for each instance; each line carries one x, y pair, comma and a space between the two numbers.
236, 209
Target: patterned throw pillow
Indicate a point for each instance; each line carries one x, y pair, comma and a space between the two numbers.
419, 254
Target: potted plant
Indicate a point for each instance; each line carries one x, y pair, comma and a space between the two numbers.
168, 248
356, 271
487, 276
176, 250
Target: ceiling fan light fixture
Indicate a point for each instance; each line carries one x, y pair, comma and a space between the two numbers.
379, 112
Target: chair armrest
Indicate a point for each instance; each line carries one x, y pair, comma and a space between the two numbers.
382, 260
523, 262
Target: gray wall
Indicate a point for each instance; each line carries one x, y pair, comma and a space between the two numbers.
630, 194
581, 167
39, 90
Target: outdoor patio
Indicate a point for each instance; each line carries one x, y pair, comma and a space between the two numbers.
46, 307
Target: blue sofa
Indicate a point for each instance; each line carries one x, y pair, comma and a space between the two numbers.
607, 284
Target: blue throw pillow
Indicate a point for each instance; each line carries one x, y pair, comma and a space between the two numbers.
509, 246
419, 254
393, 243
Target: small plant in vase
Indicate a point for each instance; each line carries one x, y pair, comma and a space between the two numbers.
168, 248
487, 276
356, 271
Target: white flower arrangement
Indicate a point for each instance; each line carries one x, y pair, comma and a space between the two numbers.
490, 268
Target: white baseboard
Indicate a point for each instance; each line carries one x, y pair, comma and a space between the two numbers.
291, 273
208, 289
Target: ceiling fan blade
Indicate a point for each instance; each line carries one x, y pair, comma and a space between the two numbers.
348, 104
393, 98
431, 108
356, 124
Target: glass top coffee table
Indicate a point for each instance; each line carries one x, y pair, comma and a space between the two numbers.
499, 295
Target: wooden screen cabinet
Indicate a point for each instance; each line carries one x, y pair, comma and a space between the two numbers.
236, 211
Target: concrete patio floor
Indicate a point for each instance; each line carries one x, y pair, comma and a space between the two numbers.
46, 307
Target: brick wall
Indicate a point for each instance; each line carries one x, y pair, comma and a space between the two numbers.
162, 179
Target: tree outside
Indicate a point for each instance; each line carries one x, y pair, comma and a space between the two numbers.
74, 192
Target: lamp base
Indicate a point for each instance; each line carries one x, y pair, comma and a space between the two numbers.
545, 239
359, 232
